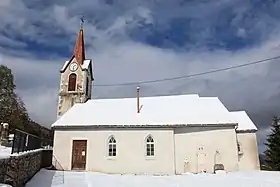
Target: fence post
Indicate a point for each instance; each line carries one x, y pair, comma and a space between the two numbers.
4, 134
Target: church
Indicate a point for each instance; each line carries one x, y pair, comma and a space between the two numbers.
159, 135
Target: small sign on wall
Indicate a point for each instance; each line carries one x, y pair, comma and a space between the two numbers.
83, 153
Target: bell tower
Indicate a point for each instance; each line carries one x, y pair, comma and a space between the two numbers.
76, 77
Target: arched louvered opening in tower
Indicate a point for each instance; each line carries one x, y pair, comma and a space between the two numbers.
72, 82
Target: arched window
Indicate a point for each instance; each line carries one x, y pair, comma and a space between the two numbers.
72, 82
150, 146
112, 146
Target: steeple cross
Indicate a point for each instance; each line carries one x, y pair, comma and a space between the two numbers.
82, 22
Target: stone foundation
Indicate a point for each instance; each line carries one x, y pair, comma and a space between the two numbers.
20, 168
3, 168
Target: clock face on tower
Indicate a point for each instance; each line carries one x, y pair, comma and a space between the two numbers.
73, 67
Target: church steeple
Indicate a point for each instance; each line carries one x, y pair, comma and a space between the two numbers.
76, 77
79, 49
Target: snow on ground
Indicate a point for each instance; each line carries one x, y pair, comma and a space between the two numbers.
5, 151
48, 178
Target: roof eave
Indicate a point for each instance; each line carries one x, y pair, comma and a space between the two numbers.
246, 131
142, 126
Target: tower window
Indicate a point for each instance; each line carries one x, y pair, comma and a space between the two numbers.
72, 82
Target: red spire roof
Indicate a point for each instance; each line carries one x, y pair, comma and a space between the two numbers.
79, 50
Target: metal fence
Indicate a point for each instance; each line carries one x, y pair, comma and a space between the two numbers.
23, 141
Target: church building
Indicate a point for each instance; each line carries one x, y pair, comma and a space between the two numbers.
146, 135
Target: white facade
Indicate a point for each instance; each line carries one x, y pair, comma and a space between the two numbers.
190, 134
248, 159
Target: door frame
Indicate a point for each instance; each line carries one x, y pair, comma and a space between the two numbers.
71, 153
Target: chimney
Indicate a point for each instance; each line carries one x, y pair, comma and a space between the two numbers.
137, 97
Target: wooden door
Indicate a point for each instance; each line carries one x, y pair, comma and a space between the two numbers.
79, 154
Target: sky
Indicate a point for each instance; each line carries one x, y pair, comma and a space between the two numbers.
139, 40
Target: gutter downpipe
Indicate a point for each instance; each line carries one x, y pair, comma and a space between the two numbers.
174, 151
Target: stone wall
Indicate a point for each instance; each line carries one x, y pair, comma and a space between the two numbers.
3, 168
19, 168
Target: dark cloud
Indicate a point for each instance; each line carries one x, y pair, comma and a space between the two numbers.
146, 40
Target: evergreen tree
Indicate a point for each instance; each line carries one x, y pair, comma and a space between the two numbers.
272, 154
12, 109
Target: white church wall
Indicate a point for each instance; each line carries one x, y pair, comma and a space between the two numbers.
189, 149
131, 149
248, 155
199, 148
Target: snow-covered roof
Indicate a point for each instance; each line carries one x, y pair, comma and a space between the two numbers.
244, 121
85, 65
159, 110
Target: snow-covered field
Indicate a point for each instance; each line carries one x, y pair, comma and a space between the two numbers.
47, 178
5, 151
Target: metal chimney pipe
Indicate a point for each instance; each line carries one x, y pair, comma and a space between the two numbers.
137, 97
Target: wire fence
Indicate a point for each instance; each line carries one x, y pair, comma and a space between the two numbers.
23, 141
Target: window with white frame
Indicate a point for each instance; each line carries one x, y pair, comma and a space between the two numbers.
150, 146
112, 147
